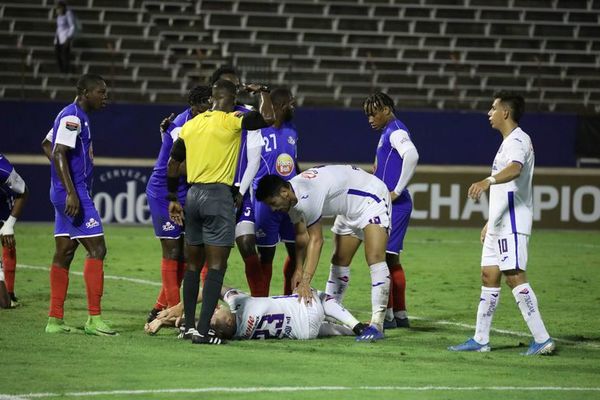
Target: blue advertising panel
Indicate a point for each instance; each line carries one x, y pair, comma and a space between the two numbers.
325, 135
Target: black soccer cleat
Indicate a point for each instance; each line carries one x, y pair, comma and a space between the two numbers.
210, 338
359, 328
152, 315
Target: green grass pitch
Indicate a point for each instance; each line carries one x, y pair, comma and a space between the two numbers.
442, 267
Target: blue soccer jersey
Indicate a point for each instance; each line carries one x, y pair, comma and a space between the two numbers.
157, 184
388, 164
388, 168
278, 156
11, 184
243, 155
278, 153
72, 129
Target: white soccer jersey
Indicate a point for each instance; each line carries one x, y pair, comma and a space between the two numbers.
511, 203
274, 317
335, 190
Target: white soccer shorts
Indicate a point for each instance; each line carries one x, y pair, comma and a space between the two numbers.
507, 251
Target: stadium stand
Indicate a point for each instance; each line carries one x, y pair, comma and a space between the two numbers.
441, 54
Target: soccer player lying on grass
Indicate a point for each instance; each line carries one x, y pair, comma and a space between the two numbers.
271, 317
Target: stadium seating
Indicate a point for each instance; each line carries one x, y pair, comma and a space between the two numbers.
427, 53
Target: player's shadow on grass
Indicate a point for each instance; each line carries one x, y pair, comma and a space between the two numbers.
581, 339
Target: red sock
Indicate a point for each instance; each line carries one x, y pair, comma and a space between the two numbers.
168, 270
9, 259
93, 274
399, 285
390, 303
59, 283
288, 271
254, 274
161, 301
203, 273
180, 272
267, 272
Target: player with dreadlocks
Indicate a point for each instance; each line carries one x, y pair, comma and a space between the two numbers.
169, 233
395, 163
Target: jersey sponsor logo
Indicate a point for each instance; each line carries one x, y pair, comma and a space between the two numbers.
71, 126
291, 140
310, 174
249, 326
284, 164
92, 223
168, 226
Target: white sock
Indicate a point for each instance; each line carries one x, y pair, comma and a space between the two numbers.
339, 278
401, 314
334, 309
528, 305
488, 301
380, 292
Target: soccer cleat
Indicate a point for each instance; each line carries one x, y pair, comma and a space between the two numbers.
471, 345
210, 338
186, 334
96, 326
390, 324
152, 315
545, 348
57, 325
14, 302
370, 334
402, 322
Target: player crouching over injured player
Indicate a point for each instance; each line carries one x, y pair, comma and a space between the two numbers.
275, 317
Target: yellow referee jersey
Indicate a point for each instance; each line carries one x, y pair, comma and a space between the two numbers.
212, 143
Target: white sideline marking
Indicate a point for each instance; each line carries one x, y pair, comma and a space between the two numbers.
437, 322
475, 241
307, 389
113, 277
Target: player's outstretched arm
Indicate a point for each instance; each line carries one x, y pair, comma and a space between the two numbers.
313, 253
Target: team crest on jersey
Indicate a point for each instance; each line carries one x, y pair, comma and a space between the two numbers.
284, 164
291, 140
71, 126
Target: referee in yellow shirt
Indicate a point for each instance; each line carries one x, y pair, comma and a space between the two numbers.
209, 144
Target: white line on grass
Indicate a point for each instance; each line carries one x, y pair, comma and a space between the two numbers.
113, 277
306, 389
437, 322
